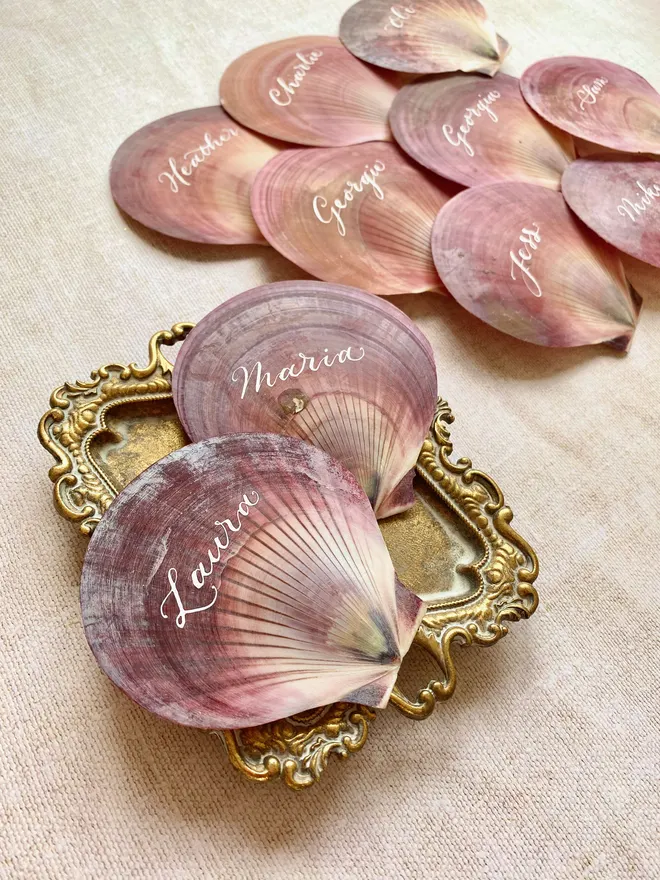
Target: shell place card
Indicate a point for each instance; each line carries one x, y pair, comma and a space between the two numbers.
432, 36
189, 176
596, 100
310, 91
475, 130
242, 580
619, 198
353, 215
515, 256
333, 366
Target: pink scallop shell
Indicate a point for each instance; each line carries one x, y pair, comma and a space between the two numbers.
189, 175
515, 256
379, 241
473, 130
596, 100
309, 91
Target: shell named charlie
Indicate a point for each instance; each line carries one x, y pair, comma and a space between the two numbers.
292, 371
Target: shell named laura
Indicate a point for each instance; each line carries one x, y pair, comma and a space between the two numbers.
189, 175
357, 215
330, 365
309, 91
515, 256
596, 100
434, 36
619, 198
475, 131
272, 595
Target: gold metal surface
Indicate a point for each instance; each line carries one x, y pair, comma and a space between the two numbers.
455, 548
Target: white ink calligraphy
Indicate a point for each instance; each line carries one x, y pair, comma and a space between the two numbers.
199, 575
287, 90
630, 208
530, 239
399, 15
367, 179
482, 106
588, 93
177, 174
307, 362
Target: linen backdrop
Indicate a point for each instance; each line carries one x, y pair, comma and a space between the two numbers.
545, 762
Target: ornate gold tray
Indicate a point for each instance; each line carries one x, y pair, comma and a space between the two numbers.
455, 547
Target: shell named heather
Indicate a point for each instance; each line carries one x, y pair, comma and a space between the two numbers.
309, 91
596, 100
189, 176
515, 256
333, 366
475, 130
434, 36
357, 215
244, 579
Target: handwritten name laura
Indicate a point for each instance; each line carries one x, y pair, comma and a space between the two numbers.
523, 259
628, 208
589, 93
471, 113
178, 173
367, 180
201, 574
306, 362
287, 91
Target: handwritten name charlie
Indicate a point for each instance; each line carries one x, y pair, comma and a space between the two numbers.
287, 91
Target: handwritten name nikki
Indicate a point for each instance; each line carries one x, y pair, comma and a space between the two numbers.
306, 362
200, 575
367, 179
471, 113
588, 93
178, 173
629, 208
287, 91
523, 259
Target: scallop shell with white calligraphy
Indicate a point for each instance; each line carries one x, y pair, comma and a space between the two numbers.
330, 365
434, 36
309, 91
515, 256
353, 215
475, 130
619, 198
189, 176
242, 580
596, 100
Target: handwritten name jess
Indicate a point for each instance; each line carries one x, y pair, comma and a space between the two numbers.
306, 362
178, 173
367, 179
523, 259
200, 574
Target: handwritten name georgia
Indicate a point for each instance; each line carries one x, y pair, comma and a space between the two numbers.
200, 574
399, 15
471, 113
588, 93
523, 259
287, 91
177, 174
629, 208
307, 362
367, 179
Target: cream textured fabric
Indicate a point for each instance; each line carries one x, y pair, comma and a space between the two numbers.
545, 764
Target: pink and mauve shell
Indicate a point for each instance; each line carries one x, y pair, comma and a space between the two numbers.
426, 120
337, 101
438, 37
577, 295
386, 248
371, 414
623, 115
211, 204
619, 198
304, 607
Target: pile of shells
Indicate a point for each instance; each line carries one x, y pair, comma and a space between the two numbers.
351, 156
